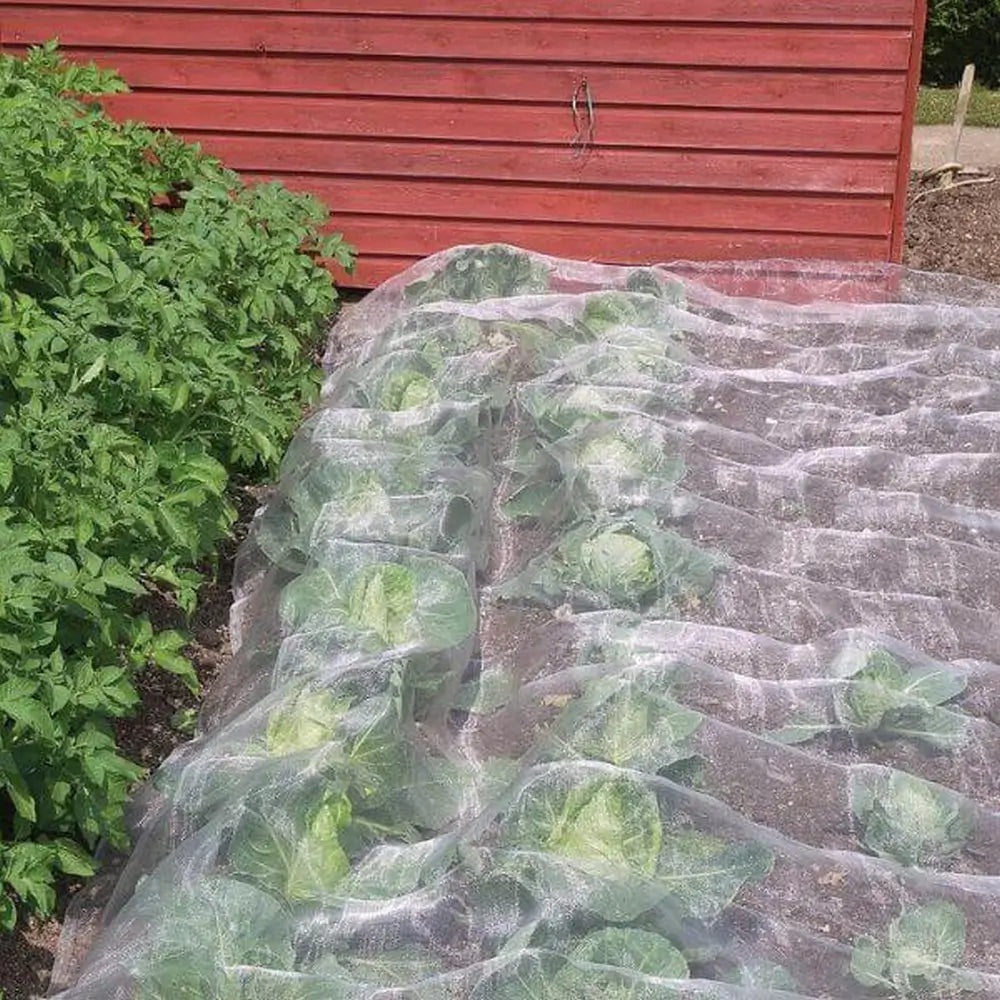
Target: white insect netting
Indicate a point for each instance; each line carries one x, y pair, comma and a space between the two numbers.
623, 633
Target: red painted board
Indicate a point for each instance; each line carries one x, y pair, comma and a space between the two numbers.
380, 236
855, 12
531, 164
649, 209
625, 43
906, 141
726, 128
493, 122
646, 86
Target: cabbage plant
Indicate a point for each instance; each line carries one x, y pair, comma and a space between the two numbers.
380, 598
611, 465
475, 273
910, 820
885, 700
627, 562
919, 957
629, 720
420, 498
583, 836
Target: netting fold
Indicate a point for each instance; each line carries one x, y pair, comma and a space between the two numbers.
610, 632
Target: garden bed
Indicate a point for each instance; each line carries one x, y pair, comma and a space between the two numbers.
533, 681
938, 236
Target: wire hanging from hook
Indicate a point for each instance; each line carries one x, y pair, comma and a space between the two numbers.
584, 124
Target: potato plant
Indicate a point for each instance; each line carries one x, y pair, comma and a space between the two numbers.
157, 322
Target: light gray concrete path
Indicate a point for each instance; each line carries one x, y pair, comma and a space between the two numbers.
980, 147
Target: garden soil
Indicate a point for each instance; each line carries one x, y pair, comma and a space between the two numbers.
956, 231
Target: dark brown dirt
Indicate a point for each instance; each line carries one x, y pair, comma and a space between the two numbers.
26, 958
957, 231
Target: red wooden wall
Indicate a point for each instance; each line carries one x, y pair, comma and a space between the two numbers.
722, 128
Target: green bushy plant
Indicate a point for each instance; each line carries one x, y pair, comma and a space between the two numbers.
157, 321
960, 32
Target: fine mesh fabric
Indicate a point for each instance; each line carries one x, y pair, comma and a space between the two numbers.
619, 633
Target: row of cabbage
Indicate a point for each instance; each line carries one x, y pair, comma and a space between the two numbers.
482, 738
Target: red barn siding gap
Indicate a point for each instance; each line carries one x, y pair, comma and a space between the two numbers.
724, 128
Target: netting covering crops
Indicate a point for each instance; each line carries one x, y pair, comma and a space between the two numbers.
611, 633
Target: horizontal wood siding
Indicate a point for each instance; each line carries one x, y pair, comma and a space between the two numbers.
722, 128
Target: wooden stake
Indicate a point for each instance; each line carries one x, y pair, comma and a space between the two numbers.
962, 108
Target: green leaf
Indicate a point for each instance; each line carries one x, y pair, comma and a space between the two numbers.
705, 873
115, 575
165, 653
799, 730
934, 685
92, 372
304, 722
28, 712
927, 941
72, 859
29, 872
301, 861
869, 962
920, 956
17, 788
910, 820
636, 950
940, 728
8, 913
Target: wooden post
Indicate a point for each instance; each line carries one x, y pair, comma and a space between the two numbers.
954, 174
961, 110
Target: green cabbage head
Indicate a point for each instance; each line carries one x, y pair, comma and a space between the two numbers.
616, 563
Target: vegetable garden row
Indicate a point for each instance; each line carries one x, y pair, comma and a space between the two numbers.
607, 636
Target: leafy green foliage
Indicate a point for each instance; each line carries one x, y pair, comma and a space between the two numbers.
203, 937
703, 874
605, 310
156, 323
572, 407
602, 839
626, 562
383, 604
920, 956
886, 700
613, 465
304, 722
596, 838
960, 32
417, 498
910, 820
479, 273
299, 861
629, 721
612, 963
628, 948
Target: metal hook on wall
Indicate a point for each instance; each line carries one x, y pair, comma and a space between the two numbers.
584, 124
